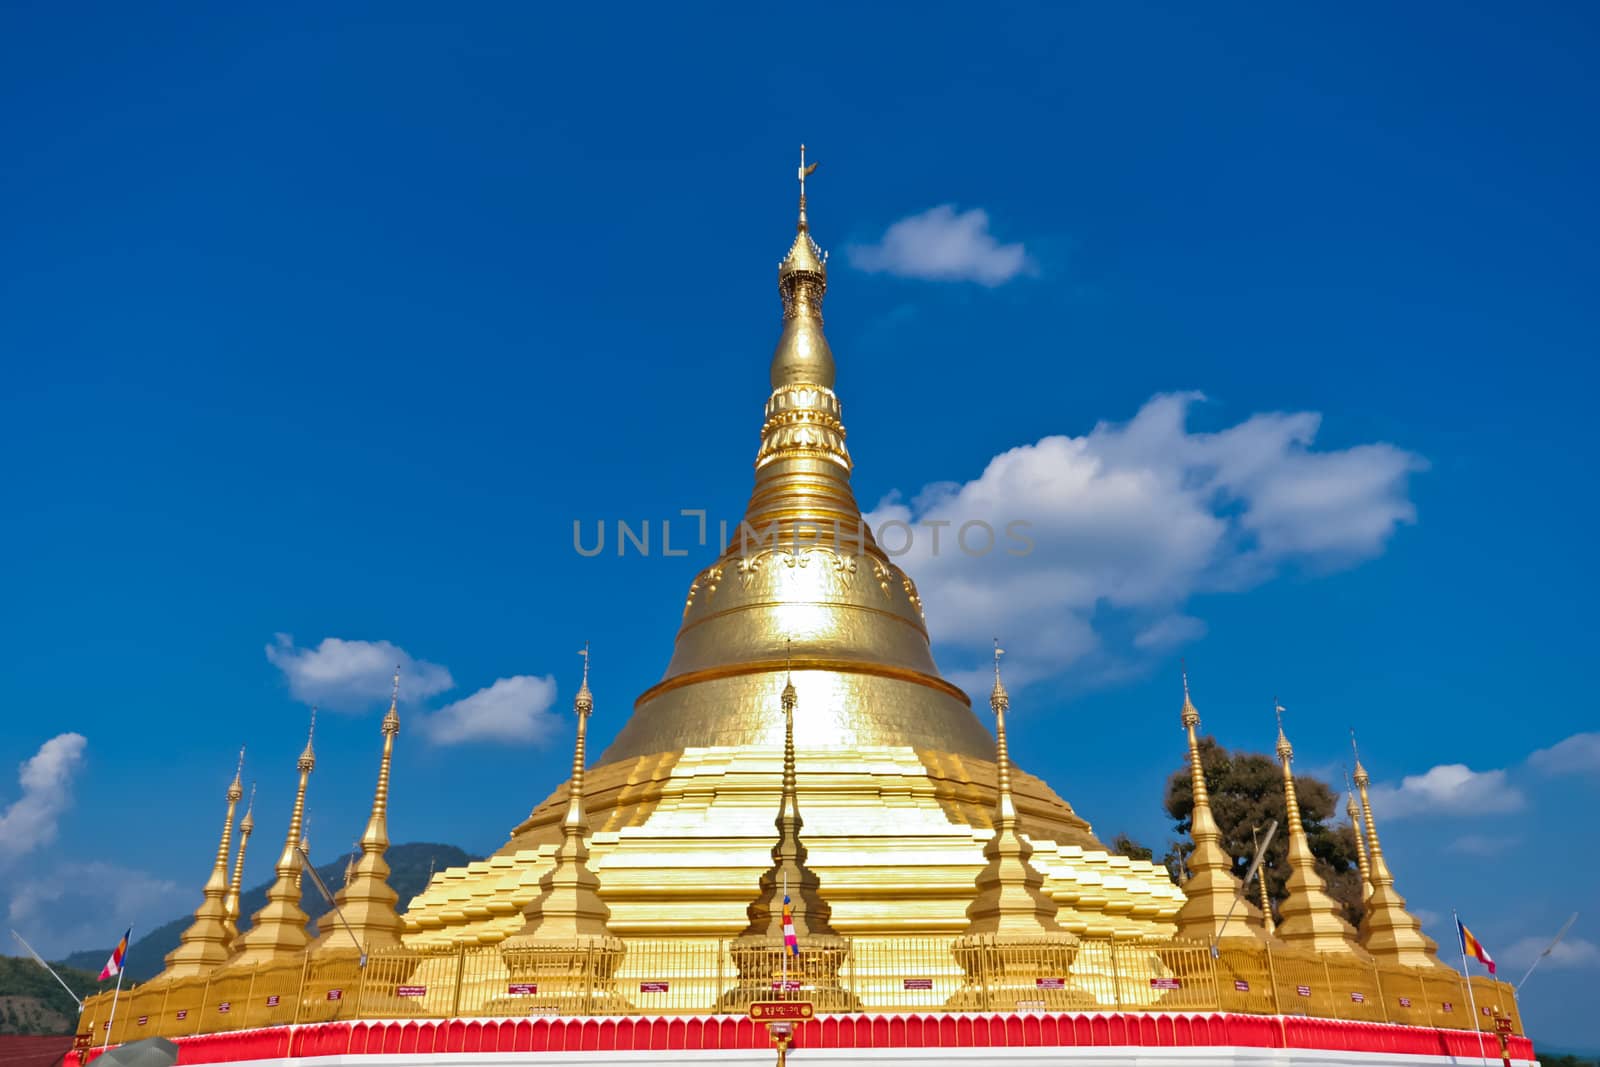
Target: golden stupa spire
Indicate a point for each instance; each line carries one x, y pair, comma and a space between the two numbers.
568, 906
1261, 887
204, 945
247, 826
1011, 901
367, 901
279, 928
1212, 888
1354, 815
789, 873
1311, 918
800, 542
1388, 930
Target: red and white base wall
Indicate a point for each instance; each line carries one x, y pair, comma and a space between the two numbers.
1076, 1038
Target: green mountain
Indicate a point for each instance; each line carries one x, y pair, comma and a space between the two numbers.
409, 866
31, 1002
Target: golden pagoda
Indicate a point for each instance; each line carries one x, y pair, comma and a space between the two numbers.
1388, 931
363, 916
789, 898
568, 908
279, 928
1311, 918
901, 776
1216, 906
204, 945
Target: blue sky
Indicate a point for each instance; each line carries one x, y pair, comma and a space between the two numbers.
329, 326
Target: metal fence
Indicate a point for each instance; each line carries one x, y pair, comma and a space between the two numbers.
703, 977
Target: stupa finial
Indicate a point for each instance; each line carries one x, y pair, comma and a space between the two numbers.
1311, 918
278, 930
803, 356
1010, 900
568, 906
366, 899
308, 758
1353, 813
789, 874
1212, 887
1388, 930
230, 902
803, 173
391, 718
203, 946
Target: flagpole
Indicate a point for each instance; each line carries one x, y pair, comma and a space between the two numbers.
112, 1018
79, 1000
1472, 999
1540, 958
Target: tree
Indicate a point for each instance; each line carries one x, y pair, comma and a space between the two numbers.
1123, 845
1246, 790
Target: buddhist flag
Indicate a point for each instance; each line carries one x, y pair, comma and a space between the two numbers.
790, 940
113, 966
1471, 946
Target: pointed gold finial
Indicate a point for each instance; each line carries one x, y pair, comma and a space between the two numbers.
788, 876
391, 718
366, 900
1311, 918
1211, 887
1010, 900
308, 758
1354, 815
803, 356
804, 172
1388, 930
230, 902
278, 930
583, 704
203, 946
568, 906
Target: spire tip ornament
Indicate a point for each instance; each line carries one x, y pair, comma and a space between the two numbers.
1212, 889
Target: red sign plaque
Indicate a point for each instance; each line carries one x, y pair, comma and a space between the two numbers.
781, 1009
1166, 983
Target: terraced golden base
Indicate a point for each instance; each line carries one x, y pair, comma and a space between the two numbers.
896, 835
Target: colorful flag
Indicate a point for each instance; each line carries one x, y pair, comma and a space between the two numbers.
113, 966
790, 940
1471, 946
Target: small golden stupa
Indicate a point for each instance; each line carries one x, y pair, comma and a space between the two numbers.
901, 781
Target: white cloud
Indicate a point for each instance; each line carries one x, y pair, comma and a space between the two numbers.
74, 906
1169, 632
354, 675
942, 244
1578, 754
1479, 845
1448, 789
1572, 952
46, 780
513, 710
1130, 521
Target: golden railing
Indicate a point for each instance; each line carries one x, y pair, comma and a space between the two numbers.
869, 974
